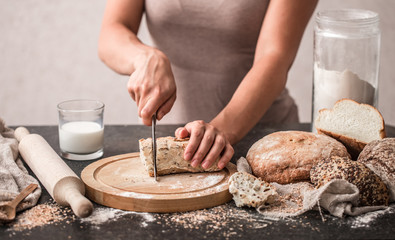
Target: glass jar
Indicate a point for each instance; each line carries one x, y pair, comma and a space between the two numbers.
346, 58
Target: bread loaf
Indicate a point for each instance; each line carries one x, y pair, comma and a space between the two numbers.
247, 190
169, 157
287, 156
379, 156
352, 123
372, 190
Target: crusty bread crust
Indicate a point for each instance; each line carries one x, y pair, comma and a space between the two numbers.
379, 156
169, 157
287, 156
353, 145
372, 190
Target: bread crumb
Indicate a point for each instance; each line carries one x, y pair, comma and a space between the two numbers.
39, 215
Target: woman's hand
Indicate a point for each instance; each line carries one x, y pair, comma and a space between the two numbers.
206, 144
152, 85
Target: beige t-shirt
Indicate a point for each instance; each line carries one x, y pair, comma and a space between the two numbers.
211, 46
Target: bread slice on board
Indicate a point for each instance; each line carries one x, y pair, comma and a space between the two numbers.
354, 124
169, 157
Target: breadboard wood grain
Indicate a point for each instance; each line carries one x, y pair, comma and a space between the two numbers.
122, 182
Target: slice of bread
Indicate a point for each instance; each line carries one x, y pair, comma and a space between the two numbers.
248, 190
354, 124
169, 157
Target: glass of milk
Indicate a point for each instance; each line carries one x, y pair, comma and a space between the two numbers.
346, 58
81, 129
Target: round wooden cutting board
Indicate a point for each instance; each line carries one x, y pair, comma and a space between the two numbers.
122, 182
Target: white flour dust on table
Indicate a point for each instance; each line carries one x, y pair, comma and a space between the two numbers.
102, 215
368, 219
216, 216
211, 220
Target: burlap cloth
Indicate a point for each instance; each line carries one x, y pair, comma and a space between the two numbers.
13, 175
338, 197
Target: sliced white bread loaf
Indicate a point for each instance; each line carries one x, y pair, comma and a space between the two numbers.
354, 124
248, 190
169, 157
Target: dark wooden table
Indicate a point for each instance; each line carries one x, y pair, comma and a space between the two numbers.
223, 222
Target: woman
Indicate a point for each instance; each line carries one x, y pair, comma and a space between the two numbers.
227, 61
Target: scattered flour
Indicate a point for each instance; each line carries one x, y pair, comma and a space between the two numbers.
365, 220
148, 217
103, 215
213, 219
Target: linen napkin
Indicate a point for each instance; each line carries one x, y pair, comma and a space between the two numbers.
13, 174
338, 197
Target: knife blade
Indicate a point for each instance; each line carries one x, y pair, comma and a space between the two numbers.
154, 145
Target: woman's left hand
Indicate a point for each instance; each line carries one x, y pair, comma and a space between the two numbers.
206, 144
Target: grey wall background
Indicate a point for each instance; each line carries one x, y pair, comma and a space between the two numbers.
48, 54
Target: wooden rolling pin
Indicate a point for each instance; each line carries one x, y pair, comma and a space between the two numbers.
60, 181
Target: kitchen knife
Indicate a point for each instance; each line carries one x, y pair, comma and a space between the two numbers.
154, 144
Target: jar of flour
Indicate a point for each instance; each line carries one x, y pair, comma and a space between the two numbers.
346, 57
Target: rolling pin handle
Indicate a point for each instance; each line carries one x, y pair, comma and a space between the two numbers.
80, 205
20, 133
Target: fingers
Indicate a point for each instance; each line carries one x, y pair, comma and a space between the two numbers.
226, 156
150, 102
196, 130
181, 133
177, 132
166, 107
147, 110
205, 145
215, 152
131, 86
152, 87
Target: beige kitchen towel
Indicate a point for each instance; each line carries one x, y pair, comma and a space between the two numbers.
338, 197
13, 175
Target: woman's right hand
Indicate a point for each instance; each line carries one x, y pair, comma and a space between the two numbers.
152, 85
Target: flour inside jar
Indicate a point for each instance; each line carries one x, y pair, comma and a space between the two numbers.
331, 86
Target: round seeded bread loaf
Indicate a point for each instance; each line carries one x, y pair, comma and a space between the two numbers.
379, 156
287, 156
372, 190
